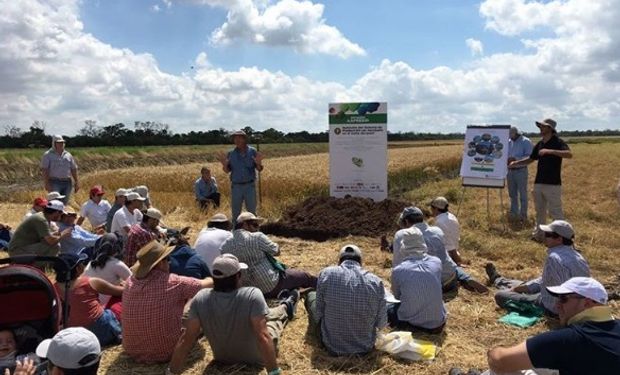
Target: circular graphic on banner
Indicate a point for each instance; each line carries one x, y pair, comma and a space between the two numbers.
337, 131
485, 148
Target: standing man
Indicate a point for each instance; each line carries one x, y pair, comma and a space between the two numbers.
205, 189
549, 152
57, 167
519, 147
242, 163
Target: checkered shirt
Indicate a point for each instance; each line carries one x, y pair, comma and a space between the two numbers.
251, 248
350, 303
137, 237
152, 312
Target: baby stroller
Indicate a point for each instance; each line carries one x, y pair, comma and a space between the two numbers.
29, 303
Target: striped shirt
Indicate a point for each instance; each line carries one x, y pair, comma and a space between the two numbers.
450, 227
562, 263
433, 236
416, 282
350, 303
252, 249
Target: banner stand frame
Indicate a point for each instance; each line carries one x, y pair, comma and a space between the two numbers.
500, 189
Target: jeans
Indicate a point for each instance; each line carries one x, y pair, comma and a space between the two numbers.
517, 190
292, 279
5, 237
243, 193
107, 328
547, 198
506, 294
63, 187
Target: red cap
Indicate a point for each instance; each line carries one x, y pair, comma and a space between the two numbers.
96, 190
40, 202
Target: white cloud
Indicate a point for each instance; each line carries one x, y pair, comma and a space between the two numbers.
475, 46
155, 8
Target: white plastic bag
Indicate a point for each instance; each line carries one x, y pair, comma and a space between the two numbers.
402, 345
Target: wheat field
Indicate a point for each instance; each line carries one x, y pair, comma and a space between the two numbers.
589, 202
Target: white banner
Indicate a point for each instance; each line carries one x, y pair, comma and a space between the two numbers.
358, 150
485, 154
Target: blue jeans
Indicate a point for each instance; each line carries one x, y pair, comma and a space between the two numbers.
5, 237
107, 328
64, 187
461, 275
517, 190
241, 193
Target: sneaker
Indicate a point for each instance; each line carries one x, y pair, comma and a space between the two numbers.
491, 272
455, 371
290, 301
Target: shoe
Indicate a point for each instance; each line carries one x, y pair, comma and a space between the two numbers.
473, 371
455, 371
290, 301
491, 272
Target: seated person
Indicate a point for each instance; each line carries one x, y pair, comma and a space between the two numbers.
5, 236
236, 320
205, 189
211, 238
80, 239
72, 351
416, 282
86, 310
184, 260
95, 209
37, 206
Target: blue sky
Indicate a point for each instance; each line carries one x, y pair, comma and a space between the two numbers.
439, 65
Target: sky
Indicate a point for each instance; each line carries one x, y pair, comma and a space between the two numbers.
208, 64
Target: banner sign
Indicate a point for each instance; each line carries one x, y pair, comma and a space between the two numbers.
358, 150
485, 154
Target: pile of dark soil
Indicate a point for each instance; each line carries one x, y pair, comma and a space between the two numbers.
322, 218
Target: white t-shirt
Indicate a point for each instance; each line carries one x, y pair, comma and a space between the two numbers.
96, 214
451, 230
123, 218
208, 244
113, 272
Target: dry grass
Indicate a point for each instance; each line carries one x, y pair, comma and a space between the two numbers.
589, 201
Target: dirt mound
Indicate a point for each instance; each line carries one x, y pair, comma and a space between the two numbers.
322, 218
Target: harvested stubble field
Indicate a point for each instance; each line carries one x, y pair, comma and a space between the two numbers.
589, 201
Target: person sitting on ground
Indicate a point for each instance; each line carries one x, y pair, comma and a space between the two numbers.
37, 206
449, 225
86, 310
236, 320
72, 351
54, 195
142, 233
205, 189
34, 235
563, 262
5, 236
588, 343
106, 265
153, 302
9, 355
416, 282
128, 215
95, 209
351, 291
183, 260
80, 239
211, 238
143, 191
451, 274
258, 251
119, 202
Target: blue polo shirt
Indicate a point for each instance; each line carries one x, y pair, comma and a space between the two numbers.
242, 165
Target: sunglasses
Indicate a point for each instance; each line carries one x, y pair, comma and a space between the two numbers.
563, 298
551, 235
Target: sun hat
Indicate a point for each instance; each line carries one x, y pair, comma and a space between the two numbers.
350, 251
411, 212
69, 211
547, 122
153, 213
54, 195
121, 192
56, 205
239, 133
133, 196
71, 348
143, 190
248, 216
39, 201
412, 242
148, 257
96, 190
218, 218
440, 203
584, 286
57, 138
227, 265
561, 227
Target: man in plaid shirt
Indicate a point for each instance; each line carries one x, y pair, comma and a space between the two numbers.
140, 234
348, 306
153, 302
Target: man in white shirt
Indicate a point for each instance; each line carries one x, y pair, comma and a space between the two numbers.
128, 215
450, 226
211, 238
95, 209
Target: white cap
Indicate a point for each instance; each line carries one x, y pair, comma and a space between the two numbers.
412, 242
227, 265
71, 348
56, 205
153, 213
120, 192
584, 286
561, 227
350, 251
134, 196
247, 216
440, 203
57, 138
218, 218
54, 195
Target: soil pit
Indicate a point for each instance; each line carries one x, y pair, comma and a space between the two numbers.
322, 218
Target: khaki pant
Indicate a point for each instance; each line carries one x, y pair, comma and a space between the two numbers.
547, 198
276, 321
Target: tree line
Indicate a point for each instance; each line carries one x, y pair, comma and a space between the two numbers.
153, 133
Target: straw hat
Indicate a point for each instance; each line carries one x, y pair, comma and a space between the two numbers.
148, 257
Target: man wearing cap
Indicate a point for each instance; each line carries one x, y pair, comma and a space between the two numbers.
589, 343
143, 190
450, 227
95, 209
80, 239
34, 236
519, 147
549, 152
348, 307
205, 189
242, 163
140, 234
128, 215
57, 168
37, 206
153, 302
73, 350
184, 260
258, 251
562, 263
211, 238
119, 202
416, 282
236, 321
